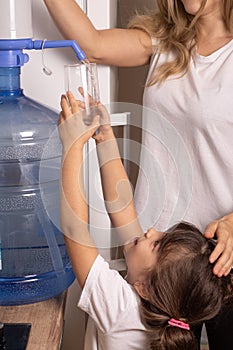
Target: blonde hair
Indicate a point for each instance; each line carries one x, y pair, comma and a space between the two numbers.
175, 31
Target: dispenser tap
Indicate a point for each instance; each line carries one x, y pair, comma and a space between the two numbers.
48, 44
11, 51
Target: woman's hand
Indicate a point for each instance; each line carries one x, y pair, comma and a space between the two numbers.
223, 230
72, 129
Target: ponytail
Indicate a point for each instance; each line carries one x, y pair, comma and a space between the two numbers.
163, 334
174, 338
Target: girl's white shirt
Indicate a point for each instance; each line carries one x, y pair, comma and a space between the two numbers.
113, 307
186, 166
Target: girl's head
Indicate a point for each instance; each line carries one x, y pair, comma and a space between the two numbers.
180, 285
141, 256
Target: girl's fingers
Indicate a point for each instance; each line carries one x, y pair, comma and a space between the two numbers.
74, 104
70, 105
90, 100
81, 104
80, 89
66, 112
95, 124
60, 119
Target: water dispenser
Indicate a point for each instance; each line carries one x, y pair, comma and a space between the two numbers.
34, 263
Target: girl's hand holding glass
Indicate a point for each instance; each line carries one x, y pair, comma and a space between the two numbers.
72, 128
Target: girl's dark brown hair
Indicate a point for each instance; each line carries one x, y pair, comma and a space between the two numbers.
182, 286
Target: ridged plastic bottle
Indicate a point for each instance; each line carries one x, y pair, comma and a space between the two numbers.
34, 263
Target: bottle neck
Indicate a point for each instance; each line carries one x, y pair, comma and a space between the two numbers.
10, 81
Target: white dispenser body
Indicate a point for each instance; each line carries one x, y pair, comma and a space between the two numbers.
15, 19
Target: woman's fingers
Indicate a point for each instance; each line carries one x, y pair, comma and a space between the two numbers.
223, 252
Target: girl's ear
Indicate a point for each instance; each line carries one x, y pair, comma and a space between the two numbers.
141, 289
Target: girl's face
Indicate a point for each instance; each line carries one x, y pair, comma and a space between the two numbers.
192, 6
140, 255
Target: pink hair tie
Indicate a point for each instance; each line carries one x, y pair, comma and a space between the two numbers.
179, 324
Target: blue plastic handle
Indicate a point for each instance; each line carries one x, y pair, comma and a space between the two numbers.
48, 44
11, 51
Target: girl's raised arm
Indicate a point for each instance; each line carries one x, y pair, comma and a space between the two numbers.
117, 189
73, 206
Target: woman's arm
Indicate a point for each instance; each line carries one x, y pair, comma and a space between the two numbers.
73, 207
118, 47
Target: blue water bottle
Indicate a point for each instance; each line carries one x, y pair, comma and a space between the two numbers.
34, 263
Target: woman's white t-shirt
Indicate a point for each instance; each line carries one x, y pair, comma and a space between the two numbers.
186, 165
113, 307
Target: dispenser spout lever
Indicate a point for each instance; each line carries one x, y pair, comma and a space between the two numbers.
48, 44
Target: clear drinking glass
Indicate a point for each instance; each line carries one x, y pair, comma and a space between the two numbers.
82, 80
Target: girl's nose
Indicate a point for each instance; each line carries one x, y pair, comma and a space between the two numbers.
151, 232
148, 234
